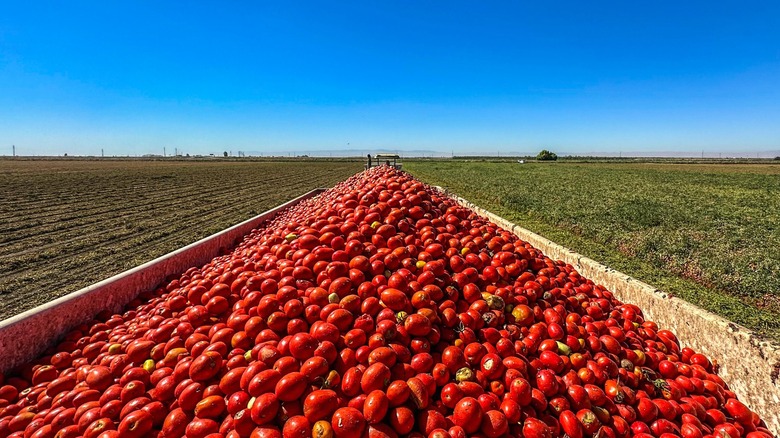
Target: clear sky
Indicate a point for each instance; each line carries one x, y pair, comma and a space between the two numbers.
577, 77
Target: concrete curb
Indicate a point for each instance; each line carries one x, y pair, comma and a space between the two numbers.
749, 364
27, 335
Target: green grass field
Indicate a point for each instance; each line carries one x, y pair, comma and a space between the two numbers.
708, 233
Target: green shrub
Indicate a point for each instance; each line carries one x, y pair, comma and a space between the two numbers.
546, 155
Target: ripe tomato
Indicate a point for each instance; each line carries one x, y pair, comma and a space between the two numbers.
375, 406
320, 404
348, 423
468, 414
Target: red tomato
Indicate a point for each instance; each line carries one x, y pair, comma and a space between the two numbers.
571, 424
291, 386
376, 376
348, 423
494, 424
468, 414
319, 405
375, 406
264, 408
534, 428
402, 420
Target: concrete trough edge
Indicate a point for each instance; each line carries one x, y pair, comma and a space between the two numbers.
25, 336
749, 364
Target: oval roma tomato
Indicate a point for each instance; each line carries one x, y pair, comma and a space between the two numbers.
348, 423
291, 386
375, 406
468, 414
320, 404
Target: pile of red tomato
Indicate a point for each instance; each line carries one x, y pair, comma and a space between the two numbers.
381, 308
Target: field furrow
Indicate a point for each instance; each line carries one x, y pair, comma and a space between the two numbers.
58, 233
75, 208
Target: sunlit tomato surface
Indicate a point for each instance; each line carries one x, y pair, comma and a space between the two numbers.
379, 308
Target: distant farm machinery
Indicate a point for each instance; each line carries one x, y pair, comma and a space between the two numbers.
386, 159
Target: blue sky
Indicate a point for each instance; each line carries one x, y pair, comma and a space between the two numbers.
606, 77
